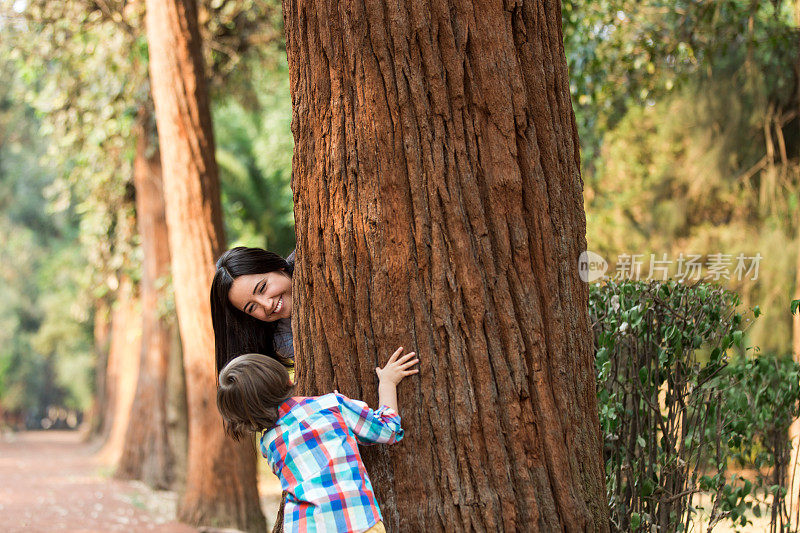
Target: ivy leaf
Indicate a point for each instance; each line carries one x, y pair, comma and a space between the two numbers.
647, 488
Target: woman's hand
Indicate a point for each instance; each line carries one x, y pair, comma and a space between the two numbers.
398, 367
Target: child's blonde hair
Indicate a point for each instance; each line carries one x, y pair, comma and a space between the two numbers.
251, 388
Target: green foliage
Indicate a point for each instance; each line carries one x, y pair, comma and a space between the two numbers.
85, 69
626, 53
254, 153
678, 401
651, 390
45, 340
761, 403
241, 38
688, 124
79, 72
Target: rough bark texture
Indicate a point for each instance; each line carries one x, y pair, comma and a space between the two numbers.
221, 475
146, 452
438, 206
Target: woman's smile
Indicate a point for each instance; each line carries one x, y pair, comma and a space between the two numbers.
278, 306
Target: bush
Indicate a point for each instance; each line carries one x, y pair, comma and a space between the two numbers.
674, 409
761, 403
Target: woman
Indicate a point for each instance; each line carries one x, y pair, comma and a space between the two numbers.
251, 305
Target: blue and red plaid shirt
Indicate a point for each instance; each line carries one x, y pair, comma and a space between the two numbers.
313, 449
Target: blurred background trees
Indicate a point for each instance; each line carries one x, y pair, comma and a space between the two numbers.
74, 79
688, 117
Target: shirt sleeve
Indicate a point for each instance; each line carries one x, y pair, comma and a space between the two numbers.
381, 426
282, 338
284, 345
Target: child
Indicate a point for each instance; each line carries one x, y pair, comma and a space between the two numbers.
312, 442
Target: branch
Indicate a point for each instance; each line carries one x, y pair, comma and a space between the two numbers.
115, 17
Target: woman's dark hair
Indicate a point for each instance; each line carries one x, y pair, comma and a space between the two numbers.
251, 388
236, 332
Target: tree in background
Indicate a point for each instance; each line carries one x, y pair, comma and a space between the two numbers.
220, 485
146, 452
123, 366
690, 129
438, 206
100, 64
45, 341
688, 120
77, 76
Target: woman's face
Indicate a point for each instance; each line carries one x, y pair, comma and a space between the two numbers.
267, 297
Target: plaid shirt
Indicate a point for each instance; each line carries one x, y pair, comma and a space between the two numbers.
313, 449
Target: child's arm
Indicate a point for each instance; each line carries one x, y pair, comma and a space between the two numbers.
393, 373
383, 425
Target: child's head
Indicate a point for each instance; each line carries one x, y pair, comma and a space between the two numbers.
251, 388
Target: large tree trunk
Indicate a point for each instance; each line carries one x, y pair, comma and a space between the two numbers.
221, 477
146, 453
438, 206
122, 368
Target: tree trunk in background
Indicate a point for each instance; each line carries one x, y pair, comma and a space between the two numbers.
177, 419
99, 424
146, 453
221, 475
438, 206
122, 369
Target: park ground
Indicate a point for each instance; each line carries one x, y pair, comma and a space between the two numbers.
53, 481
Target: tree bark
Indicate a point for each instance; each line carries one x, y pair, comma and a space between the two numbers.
438, 206
146, 453
221, 476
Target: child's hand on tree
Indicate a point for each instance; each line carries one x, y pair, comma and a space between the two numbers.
393, 373
397, 367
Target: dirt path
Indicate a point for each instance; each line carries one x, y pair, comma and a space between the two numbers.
49, 481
